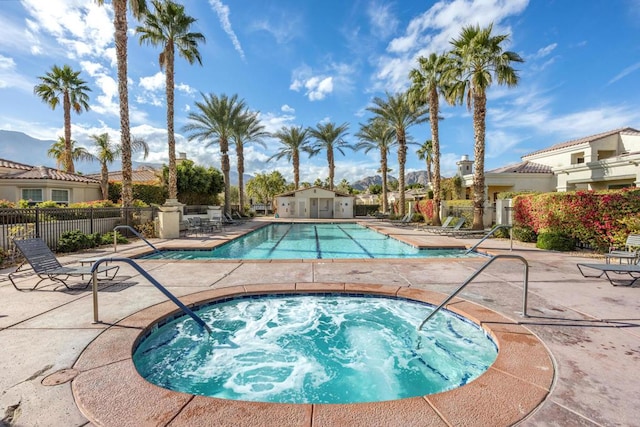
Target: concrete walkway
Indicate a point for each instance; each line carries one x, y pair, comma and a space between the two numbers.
592, 329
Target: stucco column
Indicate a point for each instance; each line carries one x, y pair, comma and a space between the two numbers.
169, 222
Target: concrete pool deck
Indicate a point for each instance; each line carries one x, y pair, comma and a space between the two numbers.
590, 328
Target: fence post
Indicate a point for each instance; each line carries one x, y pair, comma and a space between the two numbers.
37, 222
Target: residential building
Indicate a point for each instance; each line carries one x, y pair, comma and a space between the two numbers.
314, 202
607, 160
36, 184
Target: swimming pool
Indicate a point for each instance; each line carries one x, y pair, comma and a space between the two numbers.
315, 348
312, 241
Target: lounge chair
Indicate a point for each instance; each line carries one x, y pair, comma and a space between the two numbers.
632, 270
449, 229
46, 265
630, 253
404, 221
445, 224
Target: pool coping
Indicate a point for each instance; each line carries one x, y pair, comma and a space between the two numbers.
109, 391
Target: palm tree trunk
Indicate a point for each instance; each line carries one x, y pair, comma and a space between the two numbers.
296, 169
224, 162
240, 156
68, 155
171, 138
331, 167
402, 158
479, 116
435, 145
383, 170
120, 24
104, 181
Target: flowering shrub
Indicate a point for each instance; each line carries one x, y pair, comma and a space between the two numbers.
7, 204
94, 204
599, 218
425, 207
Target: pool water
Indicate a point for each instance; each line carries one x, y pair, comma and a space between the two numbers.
311, 241
320, 348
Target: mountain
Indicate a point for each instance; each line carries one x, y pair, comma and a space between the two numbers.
418, 177
22, 148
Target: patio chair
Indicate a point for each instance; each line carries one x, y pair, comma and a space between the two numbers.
632, 270
445, 224
449, 229
630, 253
45, 264
405, 219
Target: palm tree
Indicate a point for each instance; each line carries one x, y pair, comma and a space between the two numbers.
169, 27
399, 114
294, 139
428, 81
248, 129
137, 8
378, 134
425, 152
108, 152
477, 58
215, 122
58, 151
329, 138
64, 85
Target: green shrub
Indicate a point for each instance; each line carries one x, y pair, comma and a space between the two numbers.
75, 240
555, 242
107, 238
147, 230
524, 234
417, 217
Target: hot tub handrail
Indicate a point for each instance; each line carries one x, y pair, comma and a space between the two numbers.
476, 273
154, 282
491, 233
133, 230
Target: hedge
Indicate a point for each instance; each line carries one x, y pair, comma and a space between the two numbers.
600, 219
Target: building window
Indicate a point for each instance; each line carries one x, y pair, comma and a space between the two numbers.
32, 195
60, 196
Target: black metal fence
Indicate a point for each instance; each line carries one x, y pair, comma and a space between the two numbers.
50, 223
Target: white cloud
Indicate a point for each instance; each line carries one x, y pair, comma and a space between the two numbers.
381, 19
223, 15
433, 30
287, 27
286, 109
625, 73
318, 84
87, 29
9, 77
153, 83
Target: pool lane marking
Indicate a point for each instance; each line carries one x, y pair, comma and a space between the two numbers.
318, 251
280, 240
356, 242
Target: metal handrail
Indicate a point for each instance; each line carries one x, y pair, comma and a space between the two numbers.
475, 274
154, 282
490, 233
133, 230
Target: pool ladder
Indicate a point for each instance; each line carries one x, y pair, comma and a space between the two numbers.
475, 274
134, 231
154, 282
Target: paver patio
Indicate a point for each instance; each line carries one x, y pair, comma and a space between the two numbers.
591, 329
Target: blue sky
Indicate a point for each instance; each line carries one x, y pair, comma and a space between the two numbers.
308, 62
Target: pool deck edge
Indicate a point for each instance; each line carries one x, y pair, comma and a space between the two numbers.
109, 391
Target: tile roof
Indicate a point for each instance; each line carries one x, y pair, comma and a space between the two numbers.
43, 172
523, 167
14, 165
586, 139
143, 174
